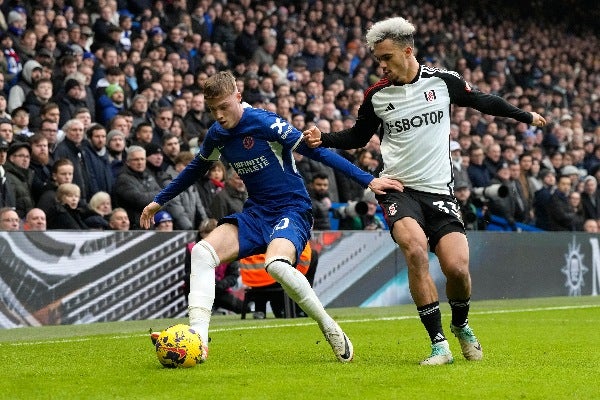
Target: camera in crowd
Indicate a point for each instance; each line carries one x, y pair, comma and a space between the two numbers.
491, 192
352, 209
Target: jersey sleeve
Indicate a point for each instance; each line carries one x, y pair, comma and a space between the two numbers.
367, 124
337, 162
462, 94
190, 174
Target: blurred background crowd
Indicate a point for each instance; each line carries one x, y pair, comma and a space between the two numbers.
101, 104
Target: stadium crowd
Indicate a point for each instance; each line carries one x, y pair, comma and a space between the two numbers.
101, 103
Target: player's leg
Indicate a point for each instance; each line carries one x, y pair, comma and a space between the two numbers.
412, 241
280, 257
453, 252
221, 245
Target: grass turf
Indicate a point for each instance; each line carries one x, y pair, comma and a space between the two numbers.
534, 349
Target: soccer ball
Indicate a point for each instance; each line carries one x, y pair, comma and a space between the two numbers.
179, 346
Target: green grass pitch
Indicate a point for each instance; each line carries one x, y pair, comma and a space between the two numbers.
533, 349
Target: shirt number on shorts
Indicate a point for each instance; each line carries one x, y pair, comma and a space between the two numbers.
449, 207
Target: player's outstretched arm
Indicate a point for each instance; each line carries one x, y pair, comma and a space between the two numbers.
380, 185
312, 137
147, 217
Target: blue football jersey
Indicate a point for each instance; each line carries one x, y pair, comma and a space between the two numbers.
260, 149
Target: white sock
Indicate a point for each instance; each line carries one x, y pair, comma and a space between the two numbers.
204, 260
298, 289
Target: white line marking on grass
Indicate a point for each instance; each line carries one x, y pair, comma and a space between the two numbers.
310, 322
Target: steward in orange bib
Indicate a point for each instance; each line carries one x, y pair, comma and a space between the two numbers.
254, 275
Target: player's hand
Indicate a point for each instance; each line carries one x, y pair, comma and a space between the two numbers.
378, 185
312, 137
147, 217
538, 120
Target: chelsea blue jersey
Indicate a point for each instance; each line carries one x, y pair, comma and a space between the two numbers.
260, 149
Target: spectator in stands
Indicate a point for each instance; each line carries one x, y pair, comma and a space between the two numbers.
96, 160
163, 221
9, 219
35, 220
590, 198
98, 211
197, 119
36, 99
119, 220
142, 134
72, 148
591, 226
115, 146
561, 214
155, 164
479, 174
72, 100
231, 199
211, 184
65, 214
40, 164
6, 130
32, 71
321, 203
163, 120
187, 208
20, 120
110, 103
7, 190
135, 186
62, 172
20, 176
170, 148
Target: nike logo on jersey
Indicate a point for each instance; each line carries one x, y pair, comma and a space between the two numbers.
390, 107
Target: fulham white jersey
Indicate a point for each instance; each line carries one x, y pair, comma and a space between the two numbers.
413, 121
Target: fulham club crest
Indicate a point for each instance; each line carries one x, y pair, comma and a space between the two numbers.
392, 210
429, 95
248, 142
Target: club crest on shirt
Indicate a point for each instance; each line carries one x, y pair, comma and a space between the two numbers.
392, 210
429, 95
248, 142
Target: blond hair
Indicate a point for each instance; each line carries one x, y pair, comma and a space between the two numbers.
219, 85
66, 189
397, 29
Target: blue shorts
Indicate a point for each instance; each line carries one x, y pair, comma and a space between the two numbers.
257, 227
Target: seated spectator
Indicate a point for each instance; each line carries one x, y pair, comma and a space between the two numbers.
9, 219
62, 172
187, 208
110, 103
163, 221
561, 214
231, 199
135, 186
115, 144
65, 214
119, 220
211, 184
20, 176
98, 210
256, 277
591, 226
321, 202
590, 198
35, 220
